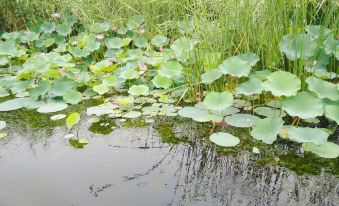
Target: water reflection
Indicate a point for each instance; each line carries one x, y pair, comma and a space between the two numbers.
131, 166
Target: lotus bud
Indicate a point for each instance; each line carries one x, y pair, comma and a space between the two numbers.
56, 15
100, 37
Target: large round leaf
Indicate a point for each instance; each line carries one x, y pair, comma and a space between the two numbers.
218, 101
315, 135
14, 104
326, 150
282, 83
210, 76
252, 86
267, 129
162, 82
52, 107
241, 120
297, 46
269, 112
171, 69
99, 110
138, 90
199, 115
323, 88
332, 111
239, 65
72, 97
304, 105
224, 139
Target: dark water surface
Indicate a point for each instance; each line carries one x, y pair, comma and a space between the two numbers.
131, 166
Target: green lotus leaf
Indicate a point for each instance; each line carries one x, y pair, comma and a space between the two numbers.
32, 36
315, 135
297, 46
72, 120
40, 90
304, 105
52, 107
198, 115
250, 87
241, 120
330, 45
129, 74
138, 90
100, 66
9, 48
4, 92
159, 41
140, 42
14, 104
218, 101
224, 139
326, 150
99, 110
72, 97
277, 84
111, 80
61, 86
135, 22
182, 45
171, 69
151, 110
321, 72
267, 129
2, 125
239, 65
269, 112
21, 86
332, 112
114, 43
225, 112
64, 29
132, 115
240, 103
100, 27
92, 45
47, 27
323, 88
79, 53
210, 76
58, 117
260, 75
162, 82
318, 31
3, 61
101, 89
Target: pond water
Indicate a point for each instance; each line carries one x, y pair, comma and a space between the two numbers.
133, 166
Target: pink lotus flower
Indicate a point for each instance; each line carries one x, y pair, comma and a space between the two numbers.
142, 31
100, 37
161, 49
56, 15
63, 72
27, 32
142, 69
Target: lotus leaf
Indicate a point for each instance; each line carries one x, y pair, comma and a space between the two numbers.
252, 86
138, 90
326, 150
304, 105
160, 81
210, 76
297, 46
72, 97
241, 120
52, 107
72, 120
218, 101
315, 135
282, 83
267, 129
323, 88
171, 69
239, 65
224, 139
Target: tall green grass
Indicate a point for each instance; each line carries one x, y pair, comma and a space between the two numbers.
224, 27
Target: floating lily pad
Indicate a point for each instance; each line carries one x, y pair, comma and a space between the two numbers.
224, 139
326, 150
2, 125
13, 104
304, 105
332, 112
99, 110
218, 101
239, 65
58, 117
132, 115
226, 112
159, 40
129, 74
139, 90
315, 135
252, 86
297, 46
101, 89
199, 115
277, 84
241, 120
323, 88
267, 129
52, 107
269, 112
